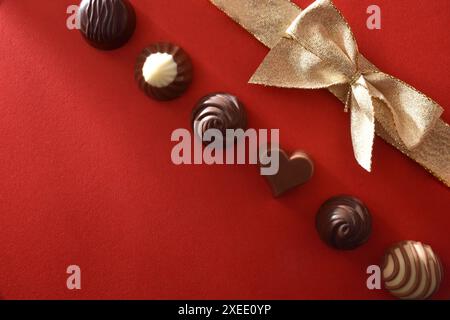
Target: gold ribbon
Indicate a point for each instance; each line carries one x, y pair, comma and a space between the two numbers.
315, 48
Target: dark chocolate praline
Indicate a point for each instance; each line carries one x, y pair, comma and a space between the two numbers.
107, 24
219, 111
344, 222
169, 71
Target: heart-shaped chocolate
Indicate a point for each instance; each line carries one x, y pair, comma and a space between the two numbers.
293, 171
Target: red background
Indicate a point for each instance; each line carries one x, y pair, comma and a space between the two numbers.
86, 176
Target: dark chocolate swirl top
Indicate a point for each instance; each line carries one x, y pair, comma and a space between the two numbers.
219, 111
107, 24
344, 222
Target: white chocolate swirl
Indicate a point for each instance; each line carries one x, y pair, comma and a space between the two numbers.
159, 70
412, 271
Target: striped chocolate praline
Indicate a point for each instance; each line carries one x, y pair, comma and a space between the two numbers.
107, 24
412, 271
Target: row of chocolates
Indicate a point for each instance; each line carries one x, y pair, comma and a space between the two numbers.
411, 270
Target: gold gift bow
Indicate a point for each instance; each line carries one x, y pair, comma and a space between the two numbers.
318, 50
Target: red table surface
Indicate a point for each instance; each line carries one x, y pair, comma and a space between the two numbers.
86, 176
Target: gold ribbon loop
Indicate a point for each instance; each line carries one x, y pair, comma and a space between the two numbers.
327, 55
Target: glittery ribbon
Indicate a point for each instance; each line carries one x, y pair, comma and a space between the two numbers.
315, 48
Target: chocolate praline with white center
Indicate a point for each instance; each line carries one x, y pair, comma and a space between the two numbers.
163, 71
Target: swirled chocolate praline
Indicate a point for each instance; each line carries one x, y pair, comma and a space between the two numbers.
107, 24
219, 111
344, 222
412, 270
